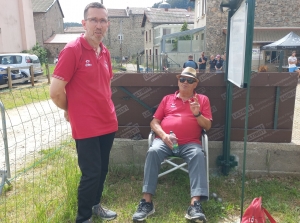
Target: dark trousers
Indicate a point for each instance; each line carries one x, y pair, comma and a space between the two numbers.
93, 158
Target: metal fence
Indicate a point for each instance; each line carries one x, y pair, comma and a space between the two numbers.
33, 131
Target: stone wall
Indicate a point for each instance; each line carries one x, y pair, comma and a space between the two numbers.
215, 22
268, 13
277, 13
133, 38
46, 24
53, 50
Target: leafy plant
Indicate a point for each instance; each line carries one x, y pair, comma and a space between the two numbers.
40, 51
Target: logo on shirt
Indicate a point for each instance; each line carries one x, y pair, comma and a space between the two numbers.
87, 63
173, 105
106, 65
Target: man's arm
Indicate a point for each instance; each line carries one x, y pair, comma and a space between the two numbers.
58, 93
204, 122
156, 127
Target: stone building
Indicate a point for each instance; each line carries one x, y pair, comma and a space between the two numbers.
48, 19
273, 20
57, 42
125, 34
162, 21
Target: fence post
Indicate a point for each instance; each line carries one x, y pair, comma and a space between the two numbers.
31, 75
9, 77
4, 173
48, 73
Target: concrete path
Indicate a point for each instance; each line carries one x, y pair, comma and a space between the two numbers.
296, 123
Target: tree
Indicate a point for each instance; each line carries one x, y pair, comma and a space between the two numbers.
40, 52
182, 4
72, 24
186, 37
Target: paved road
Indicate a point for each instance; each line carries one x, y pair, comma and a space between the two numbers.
296, 125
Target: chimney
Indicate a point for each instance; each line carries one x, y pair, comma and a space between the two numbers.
102, 2
189, 9
166, 9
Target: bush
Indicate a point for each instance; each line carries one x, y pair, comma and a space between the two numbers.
40, 51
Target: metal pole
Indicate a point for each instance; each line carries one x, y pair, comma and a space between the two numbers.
247, 71
224, 160
5, 139
280, 61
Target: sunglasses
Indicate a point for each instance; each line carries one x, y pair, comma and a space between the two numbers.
189, 80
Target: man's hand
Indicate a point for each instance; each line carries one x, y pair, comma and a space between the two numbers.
167, 140
194, 105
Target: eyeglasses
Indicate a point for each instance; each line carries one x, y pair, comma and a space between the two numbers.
189, 80
95, 21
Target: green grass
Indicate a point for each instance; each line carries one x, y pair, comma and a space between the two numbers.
47, 192
51, 69
23, 96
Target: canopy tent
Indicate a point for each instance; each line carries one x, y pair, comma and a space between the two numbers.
289, 42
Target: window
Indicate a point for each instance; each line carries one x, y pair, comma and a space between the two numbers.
166, 31
201, 6
120, 37
146, 36
150, 35
156, 52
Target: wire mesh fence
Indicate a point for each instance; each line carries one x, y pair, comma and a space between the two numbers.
33, 133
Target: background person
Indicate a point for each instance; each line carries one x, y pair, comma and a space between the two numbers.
219, 63
212, 63
292, 60
88, 106
202, 62
190, 63
185, 113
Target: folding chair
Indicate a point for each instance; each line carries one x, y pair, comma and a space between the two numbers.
204, 140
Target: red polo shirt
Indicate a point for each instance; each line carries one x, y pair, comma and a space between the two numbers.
176, 115
90, 108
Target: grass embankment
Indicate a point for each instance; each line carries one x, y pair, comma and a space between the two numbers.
47, 193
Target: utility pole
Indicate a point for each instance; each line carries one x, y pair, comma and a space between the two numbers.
120, 36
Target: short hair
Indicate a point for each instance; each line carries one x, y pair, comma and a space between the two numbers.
293, 51
93, 5
190, 56
263, 69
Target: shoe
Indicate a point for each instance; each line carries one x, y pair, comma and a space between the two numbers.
143, 211
103, 213
195, 213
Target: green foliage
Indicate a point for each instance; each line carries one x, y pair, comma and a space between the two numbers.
181, 4
72, 24
186, 37
40, 51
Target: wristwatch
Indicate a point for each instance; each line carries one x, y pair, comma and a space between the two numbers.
198, 115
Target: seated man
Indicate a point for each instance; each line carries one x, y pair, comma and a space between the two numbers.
185, 113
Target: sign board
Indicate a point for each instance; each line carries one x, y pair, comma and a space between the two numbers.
237, 46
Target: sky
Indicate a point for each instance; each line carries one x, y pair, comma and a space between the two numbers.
73, 10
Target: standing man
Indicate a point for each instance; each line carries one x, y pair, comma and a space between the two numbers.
292, 60
190, 63
202, 62
81, 87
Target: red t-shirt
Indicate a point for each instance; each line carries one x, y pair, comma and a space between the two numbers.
90, 108
176, 115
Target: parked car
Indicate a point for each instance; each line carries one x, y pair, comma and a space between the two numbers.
22, 60
15, 75
55, 60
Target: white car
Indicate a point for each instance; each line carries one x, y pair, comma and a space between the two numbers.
55, 60
22, 61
